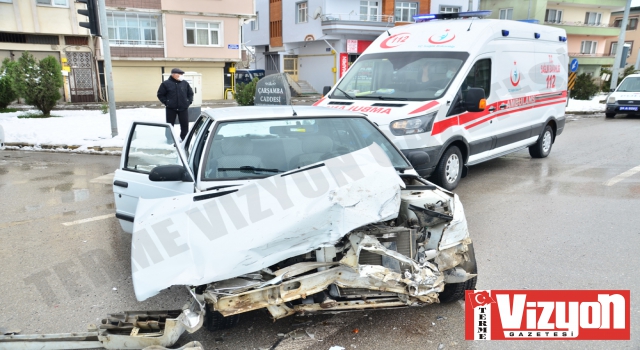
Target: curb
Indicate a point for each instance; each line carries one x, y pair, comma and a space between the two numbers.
22, 146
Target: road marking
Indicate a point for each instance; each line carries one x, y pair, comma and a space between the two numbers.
95, 218
626, 174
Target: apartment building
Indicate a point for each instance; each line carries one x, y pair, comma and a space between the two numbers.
150, 37
631, 37
315, 41
147, 38
50, 28
586, 23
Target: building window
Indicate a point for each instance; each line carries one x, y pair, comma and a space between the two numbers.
553, 16
588, 47
302, 9
592, 18
134, 29
369, 11
449, 9
614, 47
255, 25
56, 3
202, 33
7, 1
632, 24
405, 11
506, 14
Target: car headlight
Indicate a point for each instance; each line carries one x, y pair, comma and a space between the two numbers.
412, 126
611, 99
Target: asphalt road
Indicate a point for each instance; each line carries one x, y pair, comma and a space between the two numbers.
565, 222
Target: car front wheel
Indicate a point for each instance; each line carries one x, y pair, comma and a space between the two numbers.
609, 115
449, 169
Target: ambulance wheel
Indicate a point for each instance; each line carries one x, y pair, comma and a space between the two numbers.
542, 147
609, 115
449, 169
214, 321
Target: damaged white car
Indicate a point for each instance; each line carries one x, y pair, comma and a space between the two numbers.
292, 211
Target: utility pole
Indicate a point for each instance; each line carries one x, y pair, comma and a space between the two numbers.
618, 59
108, 72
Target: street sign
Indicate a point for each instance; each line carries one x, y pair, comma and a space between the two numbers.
572, 80
574, 65
233, 47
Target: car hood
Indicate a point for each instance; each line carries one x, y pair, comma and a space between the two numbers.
200, 238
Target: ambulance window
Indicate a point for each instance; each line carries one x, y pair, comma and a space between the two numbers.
479, 77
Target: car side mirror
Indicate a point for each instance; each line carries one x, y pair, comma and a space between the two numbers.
612, 90
474, 100
325, 90
170, 172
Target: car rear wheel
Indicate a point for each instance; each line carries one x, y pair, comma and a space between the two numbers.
609, 115
214, 321
449, 169
542, 147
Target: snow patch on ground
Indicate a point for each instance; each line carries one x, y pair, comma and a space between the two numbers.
592, 105
84, 128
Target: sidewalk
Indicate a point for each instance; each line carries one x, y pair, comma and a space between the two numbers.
83, 128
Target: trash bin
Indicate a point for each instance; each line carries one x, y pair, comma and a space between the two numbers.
195, 80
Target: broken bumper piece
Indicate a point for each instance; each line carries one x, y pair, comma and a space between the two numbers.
357, 286
149, 330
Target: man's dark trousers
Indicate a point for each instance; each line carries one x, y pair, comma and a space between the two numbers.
183, 119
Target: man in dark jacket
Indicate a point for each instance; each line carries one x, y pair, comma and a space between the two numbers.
176, 95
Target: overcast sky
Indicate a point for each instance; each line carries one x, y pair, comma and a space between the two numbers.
635, 3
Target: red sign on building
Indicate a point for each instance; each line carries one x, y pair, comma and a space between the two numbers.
344, 63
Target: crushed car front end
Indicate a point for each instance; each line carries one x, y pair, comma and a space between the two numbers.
408, 261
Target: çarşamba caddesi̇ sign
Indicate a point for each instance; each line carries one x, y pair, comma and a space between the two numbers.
273, 90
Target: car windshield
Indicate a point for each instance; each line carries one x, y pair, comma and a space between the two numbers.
261, 148
630, 84
413, 76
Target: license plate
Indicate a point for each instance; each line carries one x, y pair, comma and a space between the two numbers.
625, 108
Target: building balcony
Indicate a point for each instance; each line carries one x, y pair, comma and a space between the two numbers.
136, 43
609, 4
345, 23
593, 59
579, 28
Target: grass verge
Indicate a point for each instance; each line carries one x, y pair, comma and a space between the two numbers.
8, 110
36, 115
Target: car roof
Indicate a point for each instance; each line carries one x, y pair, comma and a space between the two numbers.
273, 112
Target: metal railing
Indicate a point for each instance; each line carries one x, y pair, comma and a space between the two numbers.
358, 17
120, 42
580, 54
579, 24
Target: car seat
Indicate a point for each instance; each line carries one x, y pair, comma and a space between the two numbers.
236, 152
313, 148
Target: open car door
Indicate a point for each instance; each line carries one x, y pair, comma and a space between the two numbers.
148, 146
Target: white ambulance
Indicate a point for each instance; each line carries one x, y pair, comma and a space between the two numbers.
453, 93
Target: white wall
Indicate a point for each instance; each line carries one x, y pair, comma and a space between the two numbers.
294, 32
315, 63
463, 4
343, 7
260, 36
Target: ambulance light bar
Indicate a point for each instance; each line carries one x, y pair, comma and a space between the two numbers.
430, 16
